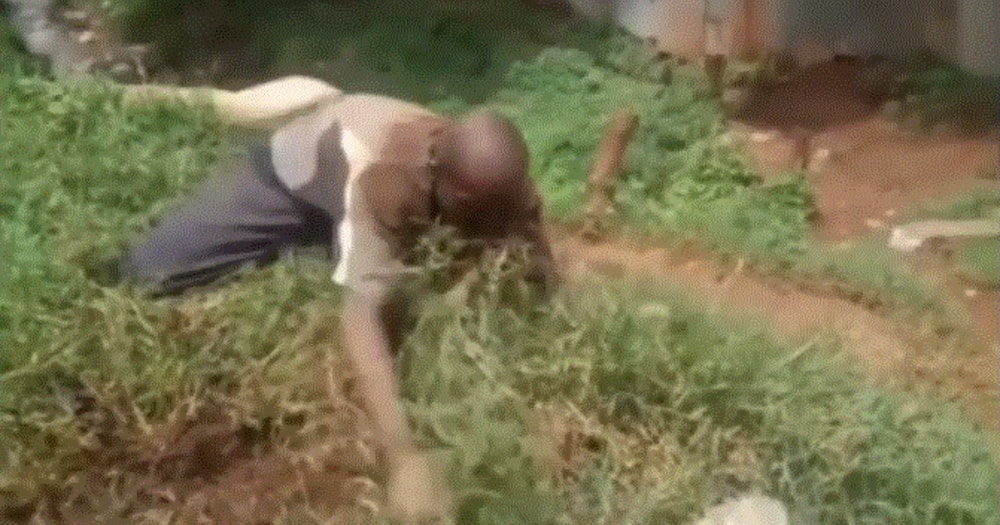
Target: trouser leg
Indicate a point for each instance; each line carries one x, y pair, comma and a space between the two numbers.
241, 216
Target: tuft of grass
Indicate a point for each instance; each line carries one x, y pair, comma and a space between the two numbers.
979, 262
938, 92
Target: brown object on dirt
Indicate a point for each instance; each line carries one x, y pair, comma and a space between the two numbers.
605, 169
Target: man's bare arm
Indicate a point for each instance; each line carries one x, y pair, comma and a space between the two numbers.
416, 487
266, 106
370, 358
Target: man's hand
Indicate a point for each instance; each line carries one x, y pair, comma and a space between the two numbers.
416, 493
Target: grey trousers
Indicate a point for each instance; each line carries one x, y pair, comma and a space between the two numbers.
241, 216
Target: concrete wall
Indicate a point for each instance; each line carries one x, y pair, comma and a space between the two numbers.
687, 27
940, 28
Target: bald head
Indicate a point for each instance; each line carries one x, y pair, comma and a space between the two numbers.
481, 167
482, 154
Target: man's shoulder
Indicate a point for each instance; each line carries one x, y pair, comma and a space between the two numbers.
372, 104
371, 117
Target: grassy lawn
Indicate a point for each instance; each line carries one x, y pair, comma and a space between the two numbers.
656, 409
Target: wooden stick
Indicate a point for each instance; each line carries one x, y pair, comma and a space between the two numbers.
606, 168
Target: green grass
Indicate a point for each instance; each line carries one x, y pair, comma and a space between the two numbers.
666, 409
602, 405
938, 92
417, 51
979, 262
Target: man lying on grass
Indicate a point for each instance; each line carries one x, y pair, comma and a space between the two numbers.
366, 175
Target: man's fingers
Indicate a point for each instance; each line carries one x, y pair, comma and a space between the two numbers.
417, 493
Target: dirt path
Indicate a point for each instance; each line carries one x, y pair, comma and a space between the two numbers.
886, 349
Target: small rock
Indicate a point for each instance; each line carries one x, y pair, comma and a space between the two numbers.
874, 224
763, 136
44, 40
890, 213
86, 37
818, 159
138, 51
728, 138
735, 98
811, 52
899, 240
942, 129
748, 510
971, 293
844, 48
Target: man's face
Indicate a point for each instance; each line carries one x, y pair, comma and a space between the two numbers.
482, 186
487, 217
500, 222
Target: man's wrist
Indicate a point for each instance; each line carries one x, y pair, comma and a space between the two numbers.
400, 454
